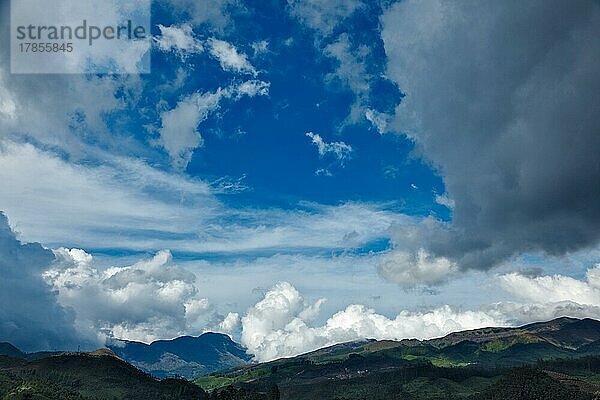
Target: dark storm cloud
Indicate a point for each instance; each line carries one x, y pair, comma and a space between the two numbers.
503, 98
30, 316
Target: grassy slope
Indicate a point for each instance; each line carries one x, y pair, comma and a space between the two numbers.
87, 376
458, 366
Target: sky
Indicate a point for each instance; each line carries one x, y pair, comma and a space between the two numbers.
307, 172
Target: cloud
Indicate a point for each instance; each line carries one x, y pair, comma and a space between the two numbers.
412, 270
556, 288
145, 209
340, 150
513, 87
140, 206
351, 71
229, 57
354, 54
445, 201
214, 15
379, 120
323, 15
31, 317
179, 39
62, 111
179, 134
260, 47
230, 323
149, 300
279, 324
253, 88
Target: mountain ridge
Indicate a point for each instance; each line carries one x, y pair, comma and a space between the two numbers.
479, 354
185, 356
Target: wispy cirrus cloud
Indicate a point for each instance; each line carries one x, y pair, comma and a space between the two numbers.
339, 150
145, 208
179, 39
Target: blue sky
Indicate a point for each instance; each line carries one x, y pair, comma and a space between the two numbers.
264, 139
389, 157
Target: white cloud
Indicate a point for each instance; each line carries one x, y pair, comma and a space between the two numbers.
143, 208
149, 300
340, 150
260, 47
556, 288
179, 134
179, 39
253, 88
445, 201
323, 172
323, 15
277, 326
229, 57
43, 107
379, 120
352, 72
48, 199
416, 269
230, 323
214, 14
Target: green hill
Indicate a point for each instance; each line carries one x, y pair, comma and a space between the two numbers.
87, 376
458, 366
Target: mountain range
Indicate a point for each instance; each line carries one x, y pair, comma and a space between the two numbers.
554, 360
562, 356
184, 356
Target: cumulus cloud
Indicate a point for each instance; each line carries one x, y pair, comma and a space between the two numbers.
340, 150
230, 323
149, 300
493, 92
179, 39
555, 288
31, 317
279, 324
229, 57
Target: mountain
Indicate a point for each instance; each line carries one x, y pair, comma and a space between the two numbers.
563, 332
7, 349
461, 365
552, 360
81, 376
184, 356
